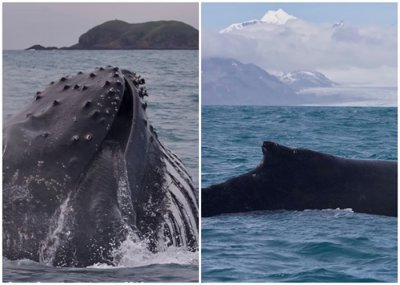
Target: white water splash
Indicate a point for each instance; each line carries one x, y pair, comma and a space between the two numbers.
337, 213
134, 253
49, 247
349, 210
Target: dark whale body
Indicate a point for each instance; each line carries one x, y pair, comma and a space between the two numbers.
83, 170
298, 179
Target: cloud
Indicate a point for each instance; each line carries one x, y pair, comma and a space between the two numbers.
346, 34
346, 54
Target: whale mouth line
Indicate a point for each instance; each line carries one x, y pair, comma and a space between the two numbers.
123, 119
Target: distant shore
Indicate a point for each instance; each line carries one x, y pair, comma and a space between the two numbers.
120, 35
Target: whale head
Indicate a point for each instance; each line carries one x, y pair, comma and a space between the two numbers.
66, 124
83, 168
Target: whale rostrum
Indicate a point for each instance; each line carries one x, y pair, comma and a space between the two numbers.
83, 170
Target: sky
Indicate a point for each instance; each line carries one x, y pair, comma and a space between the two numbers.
216, 16
361, 52
61, 24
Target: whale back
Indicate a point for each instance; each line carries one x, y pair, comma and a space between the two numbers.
298, 179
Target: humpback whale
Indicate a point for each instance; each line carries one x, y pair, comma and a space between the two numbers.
299, 179
83, 171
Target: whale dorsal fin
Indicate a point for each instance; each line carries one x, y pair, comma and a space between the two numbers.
275, 152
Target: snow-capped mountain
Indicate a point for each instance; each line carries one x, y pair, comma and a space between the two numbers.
278, 17
226, 81
306, 79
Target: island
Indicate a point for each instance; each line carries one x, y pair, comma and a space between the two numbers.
40, 47
120, 35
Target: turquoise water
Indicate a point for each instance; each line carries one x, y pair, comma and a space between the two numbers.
307, 246
172, 83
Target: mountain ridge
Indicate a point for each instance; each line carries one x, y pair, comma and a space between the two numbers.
227, 81
120, 35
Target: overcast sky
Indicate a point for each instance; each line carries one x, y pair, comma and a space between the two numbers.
61, 24
363, 51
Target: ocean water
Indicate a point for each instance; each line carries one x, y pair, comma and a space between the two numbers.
172, 83
332, 245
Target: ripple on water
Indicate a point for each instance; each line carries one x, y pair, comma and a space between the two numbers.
306, 246
281, 246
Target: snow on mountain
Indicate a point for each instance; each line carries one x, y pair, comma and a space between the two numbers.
306, 79
278, 17
338, 24
239, 26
